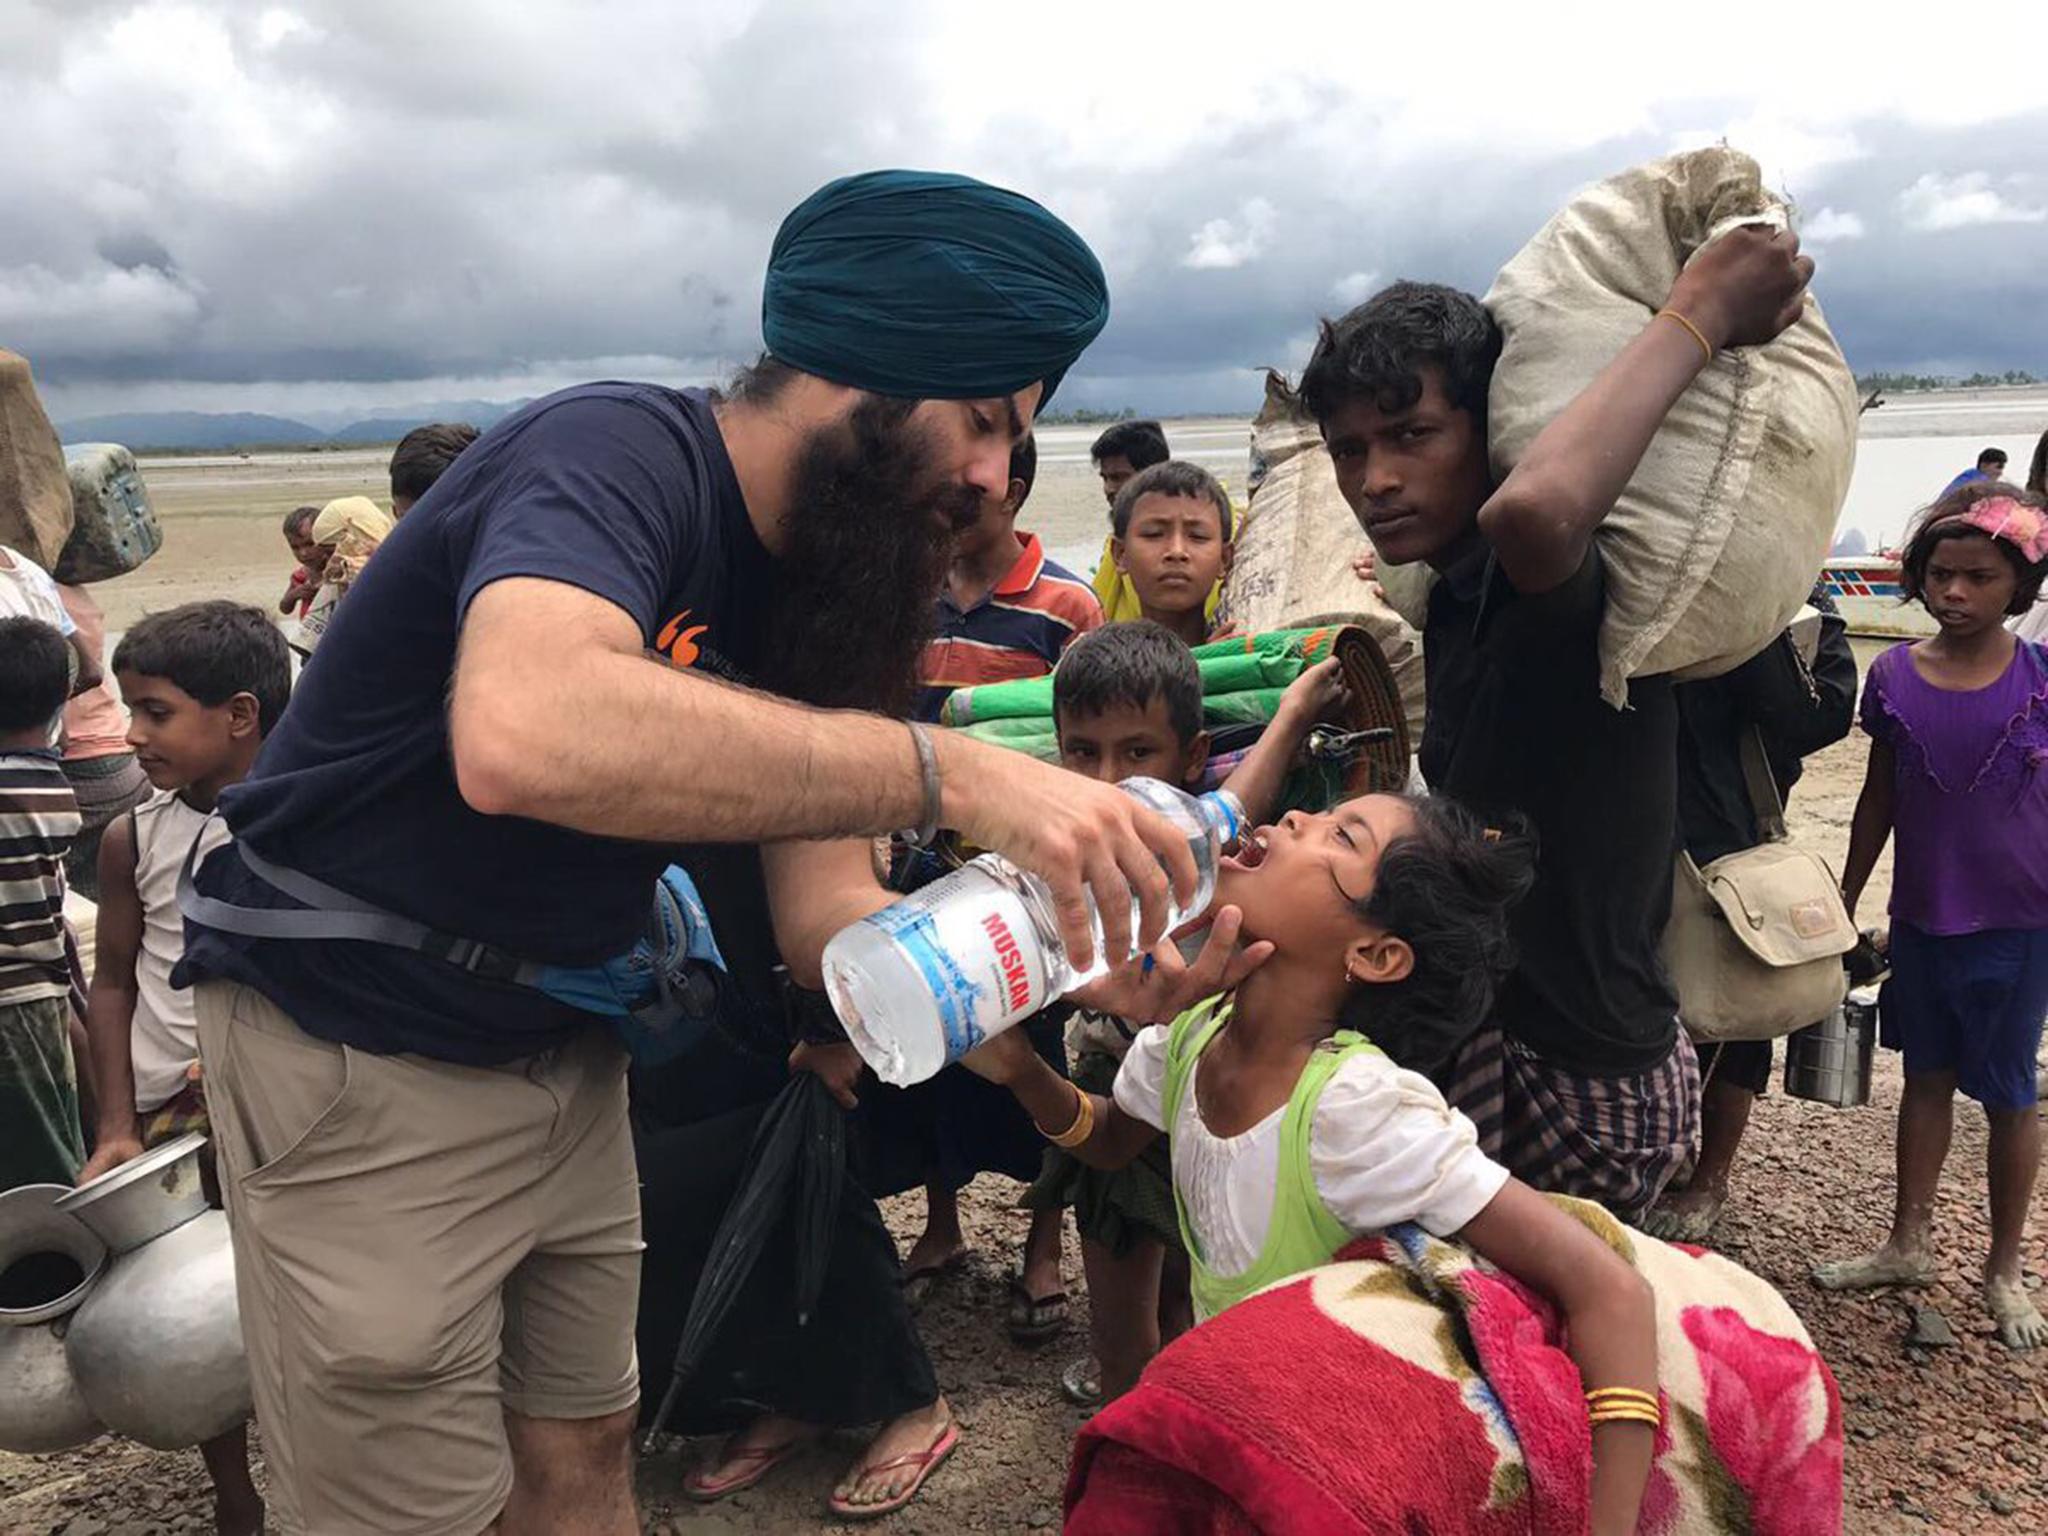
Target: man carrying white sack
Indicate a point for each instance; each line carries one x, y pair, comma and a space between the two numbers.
1584, 1084
533, 694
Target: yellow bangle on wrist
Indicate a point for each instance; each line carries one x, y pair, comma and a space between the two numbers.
1083, 1126
1622, 1405
1698, 335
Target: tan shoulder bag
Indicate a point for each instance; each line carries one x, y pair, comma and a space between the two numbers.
1756, 938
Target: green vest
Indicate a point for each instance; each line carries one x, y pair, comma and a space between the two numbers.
1302, 1234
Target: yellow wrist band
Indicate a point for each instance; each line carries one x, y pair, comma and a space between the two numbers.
1697, 334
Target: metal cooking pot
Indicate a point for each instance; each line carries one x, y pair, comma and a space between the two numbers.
143, 1199
48, 1260
157, 1347
1830, 1062
41, 1408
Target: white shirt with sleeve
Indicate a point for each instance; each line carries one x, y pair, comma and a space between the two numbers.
1384, 1148
27, 591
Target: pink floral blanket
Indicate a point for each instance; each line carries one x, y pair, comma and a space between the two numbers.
1408, 1386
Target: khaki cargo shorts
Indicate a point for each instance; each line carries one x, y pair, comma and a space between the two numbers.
419, 1247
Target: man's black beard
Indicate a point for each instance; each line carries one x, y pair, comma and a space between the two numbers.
869, 532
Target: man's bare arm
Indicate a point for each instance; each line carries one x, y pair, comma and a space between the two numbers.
556, 713
559, 714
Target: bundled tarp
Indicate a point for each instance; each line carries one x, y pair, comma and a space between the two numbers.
114, 526
35, 492
1242, 683
1293, 563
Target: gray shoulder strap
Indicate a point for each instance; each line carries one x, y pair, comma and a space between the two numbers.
334, 914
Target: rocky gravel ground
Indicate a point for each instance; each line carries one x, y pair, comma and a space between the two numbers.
1949, 1433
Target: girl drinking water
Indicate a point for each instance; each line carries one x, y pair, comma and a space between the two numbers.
1296, 1109
1958, 729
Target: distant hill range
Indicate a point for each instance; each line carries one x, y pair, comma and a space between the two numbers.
200, 431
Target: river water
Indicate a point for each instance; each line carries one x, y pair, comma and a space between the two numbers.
1909, 448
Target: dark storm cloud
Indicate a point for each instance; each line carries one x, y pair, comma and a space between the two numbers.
380, 191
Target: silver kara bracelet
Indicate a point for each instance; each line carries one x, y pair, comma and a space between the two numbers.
927, 828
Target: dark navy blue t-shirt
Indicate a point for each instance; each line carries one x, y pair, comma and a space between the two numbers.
624, 490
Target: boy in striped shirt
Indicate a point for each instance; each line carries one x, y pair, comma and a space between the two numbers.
1006, 611
40, 1138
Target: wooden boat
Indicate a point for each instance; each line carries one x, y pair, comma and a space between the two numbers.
1866, 591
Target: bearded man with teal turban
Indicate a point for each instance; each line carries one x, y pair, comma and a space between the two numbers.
483, 776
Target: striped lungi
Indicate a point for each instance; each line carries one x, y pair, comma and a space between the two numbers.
1616, 1140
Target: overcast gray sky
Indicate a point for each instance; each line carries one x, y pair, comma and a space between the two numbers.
332, 204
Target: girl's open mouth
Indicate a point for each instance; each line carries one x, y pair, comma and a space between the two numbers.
1251, 851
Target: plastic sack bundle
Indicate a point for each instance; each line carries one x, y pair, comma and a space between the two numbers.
35, 493
1292, 567
114, 527
1714, 545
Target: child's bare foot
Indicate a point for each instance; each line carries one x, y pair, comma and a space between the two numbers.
1887, 1266
1688, 1216
2020, 1324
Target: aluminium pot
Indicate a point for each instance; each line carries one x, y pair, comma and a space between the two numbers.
1830, 1062
49, 1261
144, 1198
41, 1406
157, 1346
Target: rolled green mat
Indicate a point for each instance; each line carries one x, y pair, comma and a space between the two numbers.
1270, 660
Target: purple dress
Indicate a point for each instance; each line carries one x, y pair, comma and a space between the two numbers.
1970, 814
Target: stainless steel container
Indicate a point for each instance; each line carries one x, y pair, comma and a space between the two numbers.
157, 1347
41, 1407
143, 1199
1830, 1062
48, 1260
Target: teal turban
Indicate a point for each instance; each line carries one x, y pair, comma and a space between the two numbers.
930, 286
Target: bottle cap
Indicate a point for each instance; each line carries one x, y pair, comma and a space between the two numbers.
1231, 809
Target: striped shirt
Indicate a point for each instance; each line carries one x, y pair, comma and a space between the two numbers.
38, 820
1018, 630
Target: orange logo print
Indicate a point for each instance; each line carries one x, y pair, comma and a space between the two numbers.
677, 643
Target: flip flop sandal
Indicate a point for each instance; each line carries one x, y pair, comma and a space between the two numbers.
918, 1284
1034, 1319
926, 1461
756, 1463
1081, 1383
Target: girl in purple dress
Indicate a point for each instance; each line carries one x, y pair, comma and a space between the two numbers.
1958, 729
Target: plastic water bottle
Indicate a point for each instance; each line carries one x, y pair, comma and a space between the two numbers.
921, 983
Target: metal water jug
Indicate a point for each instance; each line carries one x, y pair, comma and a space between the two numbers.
49, 1263
1830, 1062
156, 1347
42, 1408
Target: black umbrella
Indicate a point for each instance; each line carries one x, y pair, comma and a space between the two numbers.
795, 1169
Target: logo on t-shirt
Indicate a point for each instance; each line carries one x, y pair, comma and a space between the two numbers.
677, 640
683, 644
